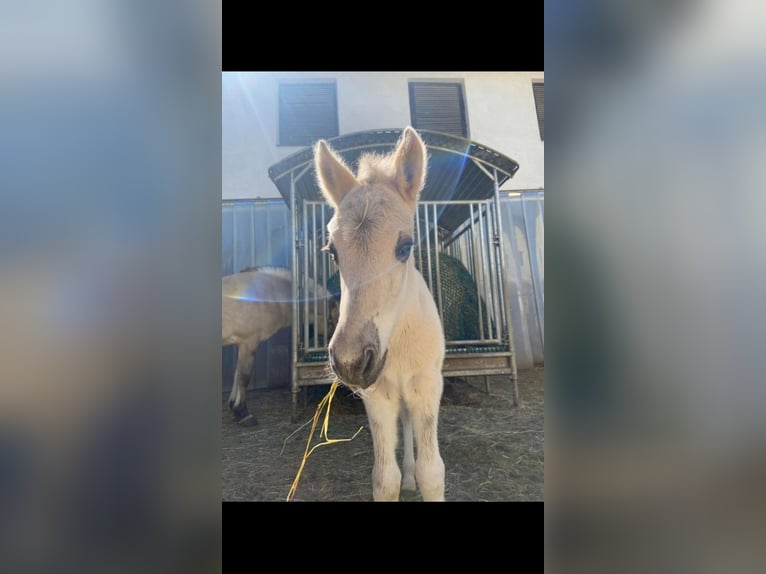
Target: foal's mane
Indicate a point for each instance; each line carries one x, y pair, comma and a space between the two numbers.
376, 168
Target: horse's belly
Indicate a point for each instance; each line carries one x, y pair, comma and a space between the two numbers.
251, 322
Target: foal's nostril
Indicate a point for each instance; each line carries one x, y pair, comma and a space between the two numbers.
368, 362
362, 370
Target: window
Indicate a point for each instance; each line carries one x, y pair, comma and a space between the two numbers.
307, 112
538, 88
438, 106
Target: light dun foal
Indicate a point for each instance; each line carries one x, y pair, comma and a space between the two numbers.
388, 345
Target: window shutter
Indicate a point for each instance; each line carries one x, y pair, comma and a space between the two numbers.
307, 113
438, 106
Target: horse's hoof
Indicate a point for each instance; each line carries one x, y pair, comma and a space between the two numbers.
248, 421
239, 412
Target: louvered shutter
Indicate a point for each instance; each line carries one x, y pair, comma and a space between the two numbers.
539, 90
307, 113
438, 106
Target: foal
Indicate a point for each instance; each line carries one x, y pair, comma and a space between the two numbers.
388, 345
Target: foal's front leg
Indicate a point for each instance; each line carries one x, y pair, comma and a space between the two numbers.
382, 413
408, 466
423, 406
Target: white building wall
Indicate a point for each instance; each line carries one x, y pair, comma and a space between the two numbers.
500, 108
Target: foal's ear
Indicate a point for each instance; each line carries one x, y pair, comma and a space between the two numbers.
335, 179
410, 161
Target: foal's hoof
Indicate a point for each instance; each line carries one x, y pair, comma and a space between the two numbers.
248, 421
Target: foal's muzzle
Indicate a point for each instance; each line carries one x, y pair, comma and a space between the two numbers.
362, 370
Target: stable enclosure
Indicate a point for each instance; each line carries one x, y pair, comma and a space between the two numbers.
459, 250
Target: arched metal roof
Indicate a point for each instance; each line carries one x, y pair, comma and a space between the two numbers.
458, 168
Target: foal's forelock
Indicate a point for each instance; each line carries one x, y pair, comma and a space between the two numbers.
369, 214
360, 216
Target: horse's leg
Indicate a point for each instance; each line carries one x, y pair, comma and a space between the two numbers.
238, 397
382, 413
424, 411
408, 468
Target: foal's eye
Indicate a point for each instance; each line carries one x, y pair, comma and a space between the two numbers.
403, 250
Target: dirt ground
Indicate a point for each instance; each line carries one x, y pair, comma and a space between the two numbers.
491, 450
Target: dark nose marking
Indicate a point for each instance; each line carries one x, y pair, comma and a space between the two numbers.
363, 367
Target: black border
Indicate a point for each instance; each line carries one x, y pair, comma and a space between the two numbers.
500, 528
391, 40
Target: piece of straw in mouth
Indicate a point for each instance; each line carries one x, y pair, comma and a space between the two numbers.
326, 401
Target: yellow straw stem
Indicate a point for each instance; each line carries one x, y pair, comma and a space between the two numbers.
323, 432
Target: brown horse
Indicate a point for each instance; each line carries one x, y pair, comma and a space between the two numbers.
389, 343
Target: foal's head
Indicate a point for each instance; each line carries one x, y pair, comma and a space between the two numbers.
371, 239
